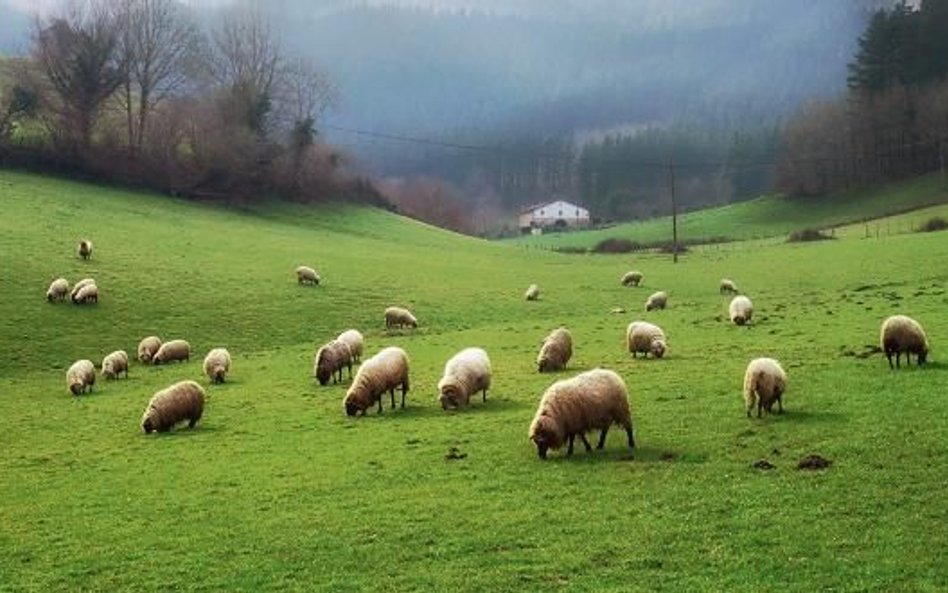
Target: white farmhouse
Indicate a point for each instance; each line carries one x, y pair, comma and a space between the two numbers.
558, 214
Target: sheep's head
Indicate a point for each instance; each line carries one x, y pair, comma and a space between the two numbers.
544, 364
657, 347
413, 323
739, 320
546, 435
76, 387
922, 356
353, 405
217, 374
450, 396
323, 374
148, 424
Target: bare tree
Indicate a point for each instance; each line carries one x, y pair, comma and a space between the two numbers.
305, 93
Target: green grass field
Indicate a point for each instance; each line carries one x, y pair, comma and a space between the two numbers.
763, 218
276, 489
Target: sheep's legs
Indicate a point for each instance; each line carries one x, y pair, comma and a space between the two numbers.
484, 398
602, 438
404, 391
628, 432
888, 355
780, 404
582, 435
569, 449
380, 405
760, 407
392, 392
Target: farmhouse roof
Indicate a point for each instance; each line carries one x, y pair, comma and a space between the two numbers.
533, 207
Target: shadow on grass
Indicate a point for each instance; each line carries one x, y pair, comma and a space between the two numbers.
615, 454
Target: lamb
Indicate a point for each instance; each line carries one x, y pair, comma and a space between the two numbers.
173, 350
330, 359
728, 286
217, 365
147, 348
556, 351
87, 294
84, 249
656, 301
741, 310
307, 275
467, 372
592, 400
633, 278
642, 336
182, 401
903, 334
399, 317
79, 286
533, 293
58, 290
764, 383
353, 339
81, 377
383, 372
114, 364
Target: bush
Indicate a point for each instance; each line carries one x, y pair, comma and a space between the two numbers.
669, 247
804, 235
936, 223
570, 249
614, 245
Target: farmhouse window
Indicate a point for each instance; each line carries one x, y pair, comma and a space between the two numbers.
541, 212
561, 213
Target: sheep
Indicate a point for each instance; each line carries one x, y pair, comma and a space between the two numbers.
147, 348
353, 339
556, 351
569, 408
57, 290
330, 359
182, 401
741, 310
764, 383
79, 286
642, 336
307, 275
84, 249
114, 364
728, 286
87, 294
633, 278
217, 365
80, 377
173, 350
533, 293
399, 317
383, 372
656, 301
465, 373
903, 334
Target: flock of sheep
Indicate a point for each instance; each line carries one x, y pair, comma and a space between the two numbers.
593, 400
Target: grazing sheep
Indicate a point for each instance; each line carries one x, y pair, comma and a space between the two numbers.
87, 294
147, 348
383, 372
592, 400
307, 275
399, 317
533, 293
58, 290
84, 249
330, 359
217, 365
465, 373
656, 301
80, 377
182, 401
633, 278
556, 351
764, 383
741, 310
79, 286
728, 286
115, 364
642, 336
173, 350
353, 339
903, 334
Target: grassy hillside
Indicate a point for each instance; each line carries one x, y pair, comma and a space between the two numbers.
763, 217
277, 489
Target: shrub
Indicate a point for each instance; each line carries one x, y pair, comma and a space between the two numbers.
935, 223
615, 245
804, 235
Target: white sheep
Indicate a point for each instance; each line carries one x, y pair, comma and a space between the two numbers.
764, 383
172, 350
741, 310
114, 364
533, 293
633, 278
182, 401
383, 372
903, 334
87, 294
79, 286
556, 351
399, 317
57, 290
80, 377
84, 249
217, 365
728, 286
331, 359
642, 336
147, 348
466, 373
657, 300
353, 339
307, 275
569, 408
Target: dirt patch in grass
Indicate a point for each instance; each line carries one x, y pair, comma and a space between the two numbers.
454, 453
814, 462
763, 464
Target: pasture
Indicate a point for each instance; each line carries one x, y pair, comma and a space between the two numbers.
276, 489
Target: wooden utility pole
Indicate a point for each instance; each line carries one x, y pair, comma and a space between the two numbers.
671, 185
